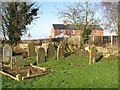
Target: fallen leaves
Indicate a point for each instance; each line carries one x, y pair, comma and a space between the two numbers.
62, 81
79, 66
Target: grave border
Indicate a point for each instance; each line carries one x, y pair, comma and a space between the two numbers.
19, 77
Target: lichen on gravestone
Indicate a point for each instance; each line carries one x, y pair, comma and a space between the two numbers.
31, 50
92, 54
71, 47
51, 52
40, 56
7, 53
60, 52
17, 62
1, 51
67, 48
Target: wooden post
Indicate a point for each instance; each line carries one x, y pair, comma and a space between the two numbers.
117, 38
93, 39
111, 40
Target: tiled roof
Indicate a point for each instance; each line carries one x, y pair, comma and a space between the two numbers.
73, 27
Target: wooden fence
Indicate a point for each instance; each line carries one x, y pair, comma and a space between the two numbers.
104, 40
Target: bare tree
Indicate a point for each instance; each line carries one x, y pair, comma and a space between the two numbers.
80, 15
110, 15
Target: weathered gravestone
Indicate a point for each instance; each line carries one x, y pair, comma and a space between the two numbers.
71, 47
17, 62
7, 53
40, 56
67, 49
31, 50
75, 47
1, 51
60, 51
92, 54
51, 52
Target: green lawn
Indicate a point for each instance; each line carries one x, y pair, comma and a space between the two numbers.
67, 73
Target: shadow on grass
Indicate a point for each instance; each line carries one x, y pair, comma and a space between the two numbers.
99, 58
68, 54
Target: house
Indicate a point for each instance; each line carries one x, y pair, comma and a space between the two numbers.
68, 30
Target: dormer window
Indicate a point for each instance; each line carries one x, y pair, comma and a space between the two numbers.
73, 32
62, 31
96, 31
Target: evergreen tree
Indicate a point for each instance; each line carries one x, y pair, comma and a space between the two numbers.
15, 17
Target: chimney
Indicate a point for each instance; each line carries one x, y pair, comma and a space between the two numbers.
65, 22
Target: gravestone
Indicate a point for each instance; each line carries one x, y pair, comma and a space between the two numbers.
31, 50
75, 47
17, 62
7, 53
67, 49
71, 47
1, 51
0, 42
60, 51
51, 52
40, 56
92, 54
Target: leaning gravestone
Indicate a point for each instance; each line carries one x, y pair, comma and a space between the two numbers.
17, 62
40, 56
92, 54
31, 50
71, 47
51, 53
7, 53
60, 52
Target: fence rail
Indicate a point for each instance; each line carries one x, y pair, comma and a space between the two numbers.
104, 40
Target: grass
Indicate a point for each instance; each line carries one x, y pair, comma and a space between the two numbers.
68, 74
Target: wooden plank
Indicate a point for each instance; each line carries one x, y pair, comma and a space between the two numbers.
44, 68
9, 75
26, 77
6, 65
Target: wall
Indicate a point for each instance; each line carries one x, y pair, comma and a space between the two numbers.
100, 33
77, 32
67, 32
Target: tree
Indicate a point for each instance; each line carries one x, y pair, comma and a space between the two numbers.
15, 17
110, 14
80, 15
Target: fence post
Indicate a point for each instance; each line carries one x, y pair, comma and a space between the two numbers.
117, 40
111, 40
93, 39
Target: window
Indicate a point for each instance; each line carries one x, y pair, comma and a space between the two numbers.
62, 31
96, 31
72, 31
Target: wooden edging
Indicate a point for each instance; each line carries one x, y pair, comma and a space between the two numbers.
44, 68
6, 65
25, 77
9, 75
18, 77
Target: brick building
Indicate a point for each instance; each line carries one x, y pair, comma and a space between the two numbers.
68, 30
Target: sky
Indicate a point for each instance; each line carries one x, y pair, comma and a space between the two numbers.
41, 28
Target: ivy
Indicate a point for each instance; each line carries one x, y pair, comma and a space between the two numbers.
85, 35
